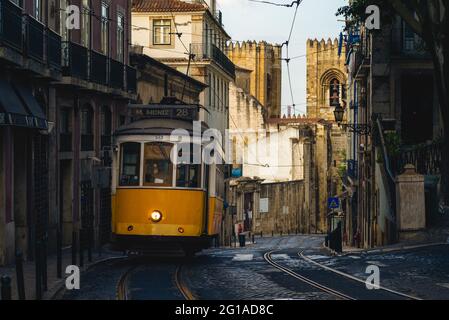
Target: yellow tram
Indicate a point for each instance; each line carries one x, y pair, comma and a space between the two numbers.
159, 203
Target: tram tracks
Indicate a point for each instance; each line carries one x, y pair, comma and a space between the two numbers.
340, 295
345, 281
122, 291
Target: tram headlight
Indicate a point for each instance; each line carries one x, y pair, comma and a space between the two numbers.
156, 216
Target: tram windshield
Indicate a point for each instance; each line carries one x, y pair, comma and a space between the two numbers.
188, 174
158, 168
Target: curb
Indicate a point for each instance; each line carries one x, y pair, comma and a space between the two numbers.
60, 287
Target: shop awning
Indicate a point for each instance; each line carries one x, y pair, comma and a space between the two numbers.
12, 110
32, 105
18, 107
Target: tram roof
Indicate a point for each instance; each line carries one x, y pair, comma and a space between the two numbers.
157, 127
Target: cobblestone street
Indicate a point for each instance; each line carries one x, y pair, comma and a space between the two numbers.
246, 274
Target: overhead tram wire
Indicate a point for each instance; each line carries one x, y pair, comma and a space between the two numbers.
287, 43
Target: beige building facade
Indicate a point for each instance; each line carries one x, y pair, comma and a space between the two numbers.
189, 36
326, 89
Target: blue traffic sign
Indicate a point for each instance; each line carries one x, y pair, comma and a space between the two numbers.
333, 203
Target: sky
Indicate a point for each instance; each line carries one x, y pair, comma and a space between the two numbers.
245, 20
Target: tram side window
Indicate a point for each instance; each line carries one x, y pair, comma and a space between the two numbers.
157, 165
188, 174
130, 170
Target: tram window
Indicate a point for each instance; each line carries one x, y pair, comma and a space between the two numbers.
157, 165
188, 174
130, 164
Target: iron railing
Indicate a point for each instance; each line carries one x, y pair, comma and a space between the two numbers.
74, 60
98, 68
386, 169
427, 159
131, 79
35, 38
11, 32
212, 52
53, 49
116, 74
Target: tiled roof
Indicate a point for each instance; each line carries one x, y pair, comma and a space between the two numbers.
166, 5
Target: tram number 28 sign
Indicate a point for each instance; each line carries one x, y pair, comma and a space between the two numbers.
167, 112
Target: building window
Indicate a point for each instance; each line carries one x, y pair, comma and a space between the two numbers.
120, 37
85, 32
158, 167
334, 92
162, 32
104, 28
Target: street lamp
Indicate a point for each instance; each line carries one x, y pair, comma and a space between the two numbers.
339, 113
360, 129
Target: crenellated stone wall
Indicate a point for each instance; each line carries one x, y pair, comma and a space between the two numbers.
264, 60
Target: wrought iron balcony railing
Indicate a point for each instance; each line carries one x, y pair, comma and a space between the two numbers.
53, 49
427, 159
212, 52
74, 60
98, 68
35, 38
116, 74
11, 25
131, 79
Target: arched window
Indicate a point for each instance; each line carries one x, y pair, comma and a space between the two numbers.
334, 92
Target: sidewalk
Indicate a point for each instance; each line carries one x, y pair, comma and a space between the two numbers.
54, 284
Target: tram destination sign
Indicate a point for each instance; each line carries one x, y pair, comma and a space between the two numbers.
179, 112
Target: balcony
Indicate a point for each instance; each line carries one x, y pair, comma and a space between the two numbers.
214, 53
131, 79
98, 68
53, 49
116, 74
74, 60
11, 25
35, 38
87, 142
65, 142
